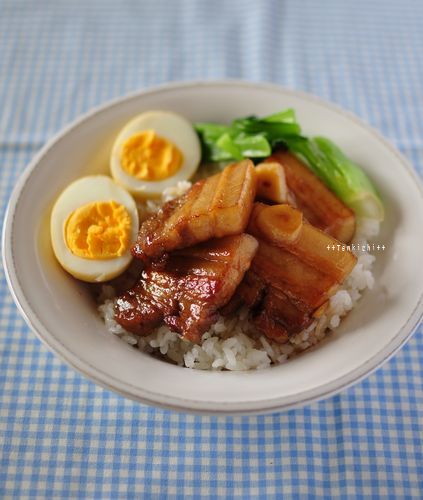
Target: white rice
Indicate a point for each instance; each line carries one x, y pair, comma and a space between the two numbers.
233, 343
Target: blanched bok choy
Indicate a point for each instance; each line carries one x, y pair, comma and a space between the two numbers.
257, 138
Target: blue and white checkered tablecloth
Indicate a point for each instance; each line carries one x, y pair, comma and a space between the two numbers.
63, 437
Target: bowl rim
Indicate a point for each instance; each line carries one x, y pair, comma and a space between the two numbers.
176, 403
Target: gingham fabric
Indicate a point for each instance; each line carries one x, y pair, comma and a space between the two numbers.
63, 437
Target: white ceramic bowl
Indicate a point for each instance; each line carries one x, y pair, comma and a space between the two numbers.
64, 317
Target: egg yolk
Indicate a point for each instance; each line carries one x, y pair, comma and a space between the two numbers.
98, 230
149, 157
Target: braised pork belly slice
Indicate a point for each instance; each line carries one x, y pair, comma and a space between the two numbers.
322, 208
294, 272
188, 291
284, 226
214, 207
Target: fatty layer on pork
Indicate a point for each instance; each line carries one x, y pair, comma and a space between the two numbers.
214, 207
294, 272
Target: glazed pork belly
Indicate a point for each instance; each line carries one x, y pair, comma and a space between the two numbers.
214, 207
322, 208
294, 272
188, 291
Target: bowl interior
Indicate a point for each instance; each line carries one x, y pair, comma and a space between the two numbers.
63, 314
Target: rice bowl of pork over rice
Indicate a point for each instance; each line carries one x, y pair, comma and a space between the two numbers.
233, 342
249, 234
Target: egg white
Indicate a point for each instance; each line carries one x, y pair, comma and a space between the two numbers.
87, 190
174, 128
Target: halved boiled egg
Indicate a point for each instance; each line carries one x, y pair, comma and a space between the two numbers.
93, 225
154, 151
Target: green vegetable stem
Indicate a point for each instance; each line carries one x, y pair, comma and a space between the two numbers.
256, 138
